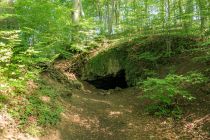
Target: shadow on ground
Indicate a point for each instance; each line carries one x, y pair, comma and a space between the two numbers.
120, 115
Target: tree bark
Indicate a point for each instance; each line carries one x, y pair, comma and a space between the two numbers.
78, 11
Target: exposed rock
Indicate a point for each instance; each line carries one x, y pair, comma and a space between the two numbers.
108, 62
118, 89
102, 92
110, 91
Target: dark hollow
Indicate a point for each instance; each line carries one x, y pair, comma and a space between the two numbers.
110, 81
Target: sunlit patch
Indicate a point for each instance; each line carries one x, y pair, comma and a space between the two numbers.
196, 124
45, 99
87, 123
5, 54
94, 100
128, 110
101, 101
4, 88
32, 119
31, 85
106, 130
10, 130
71, 76
115, 113
87, 92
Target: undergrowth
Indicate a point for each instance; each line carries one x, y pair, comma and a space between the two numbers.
38, 107
47, 112
167, 94
18, 69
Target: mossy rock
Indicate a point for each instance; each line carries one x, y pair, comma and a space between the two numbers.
132, 57
109, 62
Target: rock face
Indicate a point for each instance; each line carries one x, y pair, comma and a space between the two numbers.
109, 62
111, 67
141, 58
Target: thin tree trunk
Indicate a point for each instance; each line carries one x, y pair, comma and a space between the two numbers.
180, 13
78, 11
146, 15
188, 13
203, 15
162, 14
168, 12
111, 16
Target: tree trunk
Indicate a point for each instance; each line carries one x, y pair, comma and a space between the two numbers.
162, 14
203, 14
110, 18
78, 11
146, 14
180, 13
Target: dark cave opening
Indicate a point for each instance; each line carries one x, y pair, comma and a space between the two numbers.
110, 81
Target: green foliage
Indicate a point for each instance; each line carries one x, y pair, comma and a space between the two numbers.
44, 36
47, 114
52, 34
165, 110
203, 52
166, 93
37, 41
3, 100
45, 111
34, 32
160, 47
148, 56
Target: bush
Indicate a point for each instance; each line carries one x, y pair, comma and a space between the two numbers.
166, 93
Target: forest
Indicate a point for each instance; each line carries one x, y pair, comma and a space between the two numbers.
104, 69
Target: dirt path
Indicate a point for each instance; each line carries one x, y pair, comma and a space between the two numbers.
89, 115
94, 114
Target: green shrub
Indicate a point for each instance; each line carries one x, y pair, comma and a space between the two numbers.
166, 93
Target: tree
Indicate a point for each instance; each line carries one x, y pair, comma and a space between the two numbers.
77, 11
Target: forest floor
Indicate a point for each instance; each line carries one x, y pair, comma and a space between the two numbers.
95, 114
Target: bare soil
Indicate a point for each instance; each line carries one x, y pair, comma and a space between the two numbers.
94, 114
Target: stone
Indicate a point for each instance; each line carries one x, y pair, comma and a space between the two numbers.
118, 88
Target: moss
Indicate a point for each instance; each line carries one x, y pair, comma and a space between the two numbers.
137, 57
105, 63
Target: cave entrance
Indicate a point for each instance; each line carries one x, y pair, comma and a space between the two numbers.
110, 81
